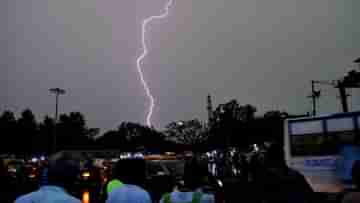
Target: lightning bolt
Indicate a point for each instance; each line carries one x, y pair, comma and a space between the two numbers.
143, 55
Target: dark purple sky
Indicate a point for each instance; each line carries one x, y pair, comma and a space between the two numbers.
259, 52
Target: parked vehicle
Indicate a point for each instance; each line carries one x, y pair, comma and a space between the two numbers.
323, 149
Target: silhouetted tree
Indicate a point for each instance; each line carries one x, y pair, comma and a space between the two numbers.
25, 136
273, 126
72, 132
190, 133
92, 133
7, 132
138, 136
46, 134
112, 140
27, 133
132, 137
229, 127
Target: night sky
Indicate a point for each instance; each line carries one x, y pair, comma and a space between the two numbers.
259, 52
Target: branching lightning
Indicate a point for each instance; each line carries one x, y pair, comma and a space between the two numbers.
143, 55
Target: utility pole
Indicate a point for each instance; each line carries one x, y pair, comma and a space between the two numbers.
210, 112
314, 96
343, 96
351, 80
57, 92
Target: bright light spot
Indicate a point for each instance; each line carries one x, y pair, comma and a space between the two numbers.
220, 183
86, 197
138, 155
86, 174
12, 170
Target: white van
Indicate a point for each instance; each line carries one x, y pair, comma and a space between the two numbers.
323, 149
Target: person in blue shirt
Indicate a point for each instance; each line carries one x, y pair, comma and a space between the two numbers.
354, 196
192, 191
61, 175
131, 172
349, 153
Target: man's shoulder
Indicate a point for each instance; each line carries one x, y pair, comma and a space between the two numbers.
208, 197
28, 197
129, 192
72, 199
134, 189
39, 196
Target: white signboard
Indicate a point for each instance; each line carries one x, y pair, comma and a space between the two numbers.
306, 127
340, 124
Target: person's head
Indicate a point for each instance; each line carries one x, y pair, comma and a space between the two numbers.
63, 171
194, 174
356, 173
130, 171
275, 156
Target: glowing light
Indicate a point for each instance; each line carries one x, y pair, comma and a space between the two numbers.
143, 55
86, 174
220, 183
86, 197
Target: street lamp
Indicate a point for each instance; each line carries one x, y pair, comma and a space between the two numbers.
57, 92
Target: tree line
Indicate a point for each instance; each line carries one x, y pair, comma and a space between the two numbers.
25, 135
231, 125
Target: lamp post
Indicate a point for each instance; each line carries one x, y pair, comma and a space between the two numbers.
57, 92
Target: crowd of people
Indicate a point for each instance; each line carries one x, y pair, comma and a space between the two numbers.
265, 179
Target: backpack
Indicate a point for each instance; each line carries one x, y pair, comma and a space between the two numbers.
196, 198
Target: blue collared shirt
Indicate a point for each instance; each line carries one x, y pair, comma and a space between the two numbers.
129, 194
177, 197
48, 194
